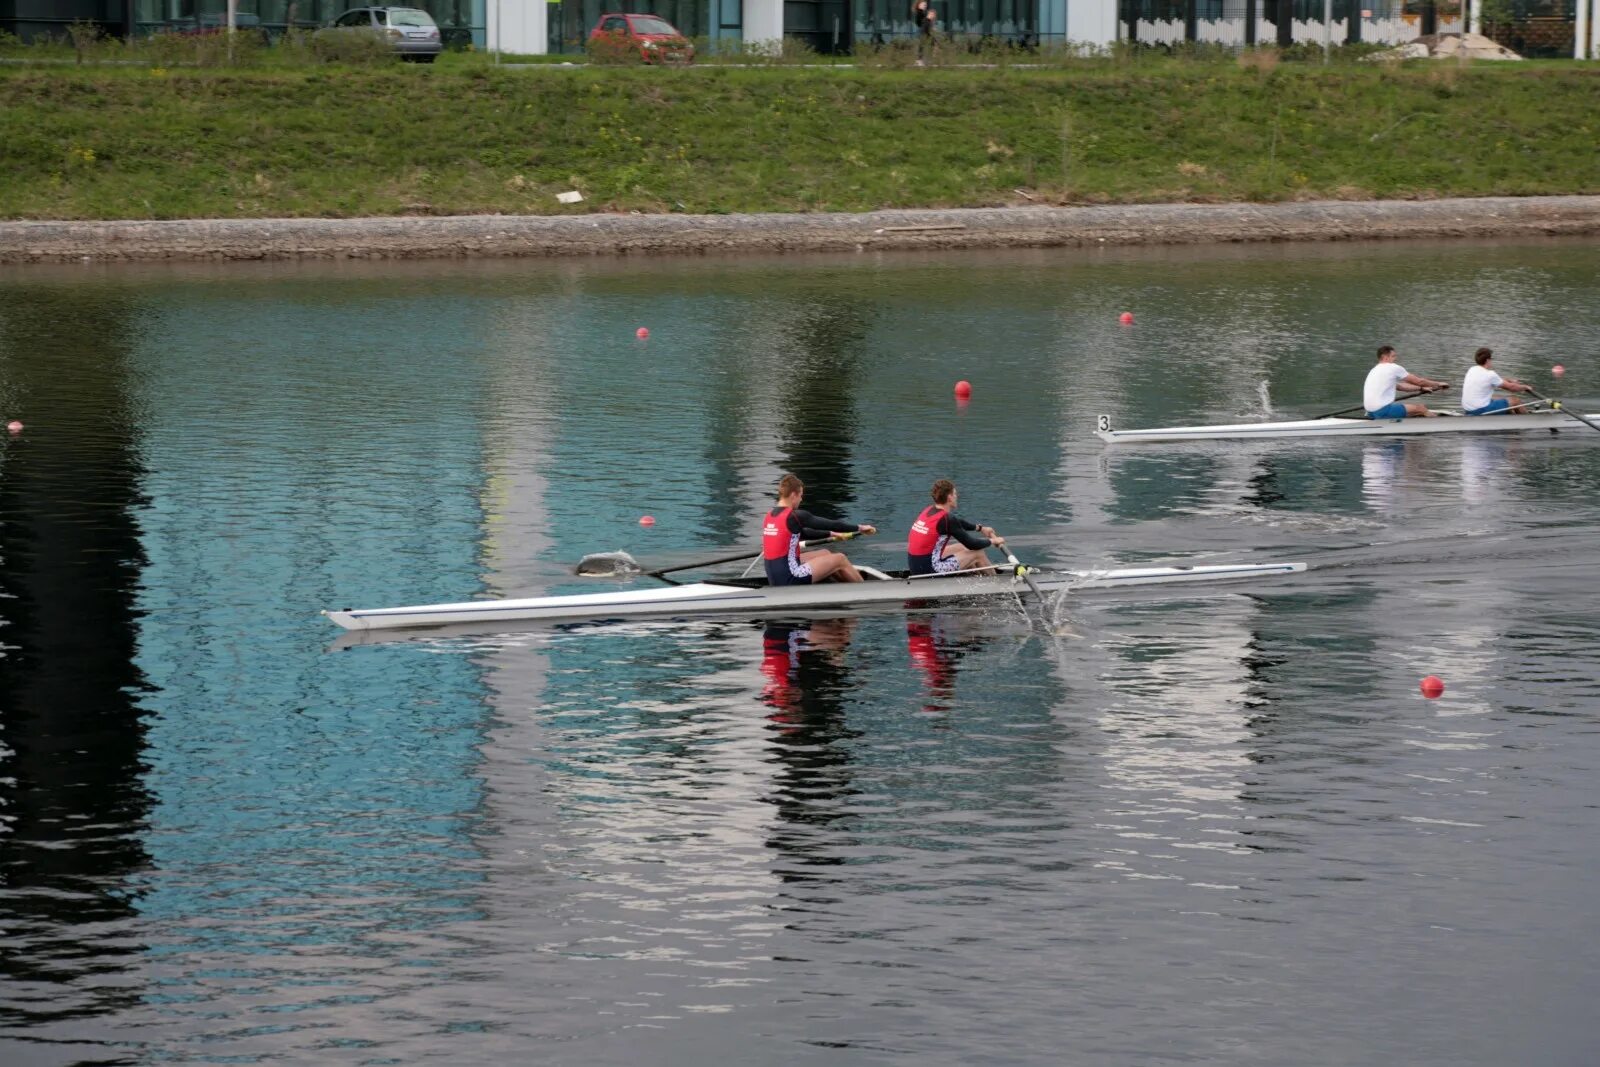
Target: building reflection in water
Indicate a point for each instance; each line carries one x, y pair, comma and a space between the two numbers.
72, 736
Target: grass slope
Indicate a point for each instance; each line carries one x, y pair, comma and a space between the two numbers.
107, 142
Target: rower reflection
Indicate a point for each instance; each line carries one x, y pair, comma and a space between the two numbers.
936, 650
803, 663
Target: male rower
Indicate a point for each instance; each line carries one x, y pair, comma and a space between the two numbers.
1377, 395
785, 525
928, 549
1477, 389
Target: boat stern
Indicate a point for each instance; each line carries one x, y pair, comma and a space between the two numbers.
345, 619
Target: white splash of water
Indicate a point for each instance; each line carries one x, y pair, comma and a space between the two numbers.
1266, 397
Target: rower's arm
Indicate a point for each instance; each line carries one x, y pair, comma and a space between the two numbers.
812, 526
1424, 383
965, 532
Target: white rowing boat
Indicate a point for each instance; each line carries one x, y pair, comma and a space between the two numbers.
1447, 422
753, 595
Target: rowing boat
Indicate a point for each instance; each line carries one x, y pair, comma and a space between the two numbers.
753, 595
1447, 422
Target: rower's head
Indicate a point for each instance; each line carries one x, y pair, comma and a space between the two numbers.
790, 489
1482, 357
1386, 354
944, 493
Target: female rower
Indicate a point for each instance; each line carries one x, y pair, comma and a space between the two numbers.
786, 525
928, 549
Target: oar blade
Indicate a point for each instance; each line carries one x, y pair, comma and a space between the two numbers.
608, 565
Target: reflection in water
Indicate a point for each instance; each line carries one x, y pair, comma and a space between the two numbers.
807, 677
936, 650
72, 738
822, 367
710, 839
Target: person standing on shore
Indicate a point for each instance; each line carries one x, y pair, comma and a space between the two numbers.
926, 20
1378, 393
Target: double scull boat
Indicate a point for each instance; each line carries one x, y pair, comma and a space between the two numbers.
1551, 421
753, 595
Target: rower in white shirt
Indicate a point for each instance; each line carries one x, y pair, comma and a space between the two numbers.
1378, 393
1477, 389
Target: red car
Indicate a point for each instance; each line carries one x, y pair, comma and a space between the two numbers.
652, 38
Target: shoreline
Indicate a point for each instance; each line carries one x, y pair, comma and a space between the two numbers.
474, 236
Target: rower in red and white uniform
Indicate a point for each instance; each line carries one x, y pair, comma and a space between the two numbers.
928, 549
785, 526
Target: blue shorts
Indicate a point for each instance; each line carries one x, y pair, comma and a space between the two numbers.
1396, 410
787, 572
1499, 404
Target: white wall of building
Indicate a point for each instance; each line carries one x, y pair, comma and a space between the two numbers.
521, 27
1092, 22
763, 22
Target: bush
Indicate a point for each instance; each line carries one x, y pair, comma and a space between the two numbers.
612, 48
360, 47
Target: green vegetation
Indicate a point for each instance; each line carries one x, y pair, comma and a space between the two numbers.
304, 137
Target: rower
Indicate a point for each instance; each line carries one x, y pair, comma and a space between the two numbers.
928, 549
1378, 394
781, 531
1477, 389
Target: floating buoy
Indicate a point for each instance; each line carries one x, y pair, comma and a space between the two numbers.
641, 333
14, 426
647, 520
1558, 370
1432, 686
1126, 318
963, 389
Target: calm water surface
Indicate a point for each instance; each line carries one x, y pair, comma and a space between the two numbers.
1220, 828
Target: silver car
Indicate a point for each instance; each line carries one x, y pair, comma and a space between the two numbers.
411, 31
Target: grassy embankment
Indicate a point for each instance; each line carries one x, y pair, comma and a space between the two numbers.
103, 142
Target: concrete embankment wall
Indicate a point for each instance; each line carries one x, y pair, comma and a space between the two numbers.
507, 235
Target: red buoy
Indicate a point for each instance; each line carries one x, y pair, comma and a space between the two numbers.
1126, 318
641, 333
1432, 686
647, 520
963, 389
14, 426
1558, 370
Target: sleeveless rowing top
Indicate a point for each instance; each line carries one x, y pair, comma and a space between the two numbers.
926, 543
780, 550
776, 540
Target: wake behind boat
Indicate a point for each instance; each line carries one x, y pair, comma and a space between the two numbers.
754, 595
1550, 421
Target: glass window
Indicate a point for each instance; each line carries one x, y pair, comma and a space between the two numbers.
651, 24
409, 16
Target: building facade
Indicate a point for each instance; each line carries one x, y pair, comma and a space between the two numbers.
838, 27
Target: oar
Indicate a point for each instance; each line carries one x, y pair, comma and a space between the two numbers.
1556, 405
1022, 572
663, 571
1363, 407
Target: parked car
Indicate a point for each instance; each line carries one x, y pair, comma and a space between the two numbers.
651, 37
411, 30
